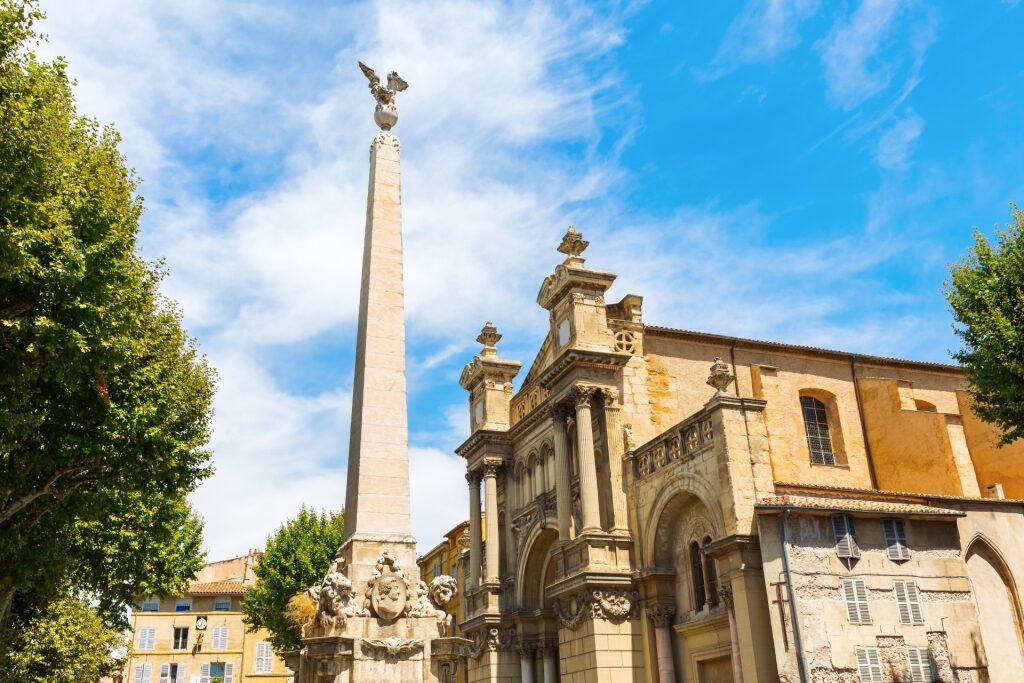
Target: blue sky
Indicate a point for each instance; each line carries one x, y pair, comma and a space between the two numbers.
791, 170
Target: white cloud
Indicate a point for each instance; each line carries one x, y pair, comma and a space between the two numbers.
897, 143
764, 30
865, 51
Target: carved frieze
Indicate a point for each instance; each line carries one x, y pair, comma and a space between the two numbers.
611, 604
391, 648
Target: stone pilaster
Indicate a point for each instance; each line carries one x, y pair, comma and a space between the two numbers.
473, 478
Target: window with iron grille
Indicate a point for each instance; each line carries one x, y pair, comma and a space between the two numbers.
855, 593
908, 602
922, 668
895, 540
869, 665
819, 442
846, 537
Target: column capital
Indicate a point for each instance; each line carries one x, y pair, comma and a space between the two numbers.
548, 647
610, 398
558, 411
725, 594
583, 394
661, 615
491, 466
473, 477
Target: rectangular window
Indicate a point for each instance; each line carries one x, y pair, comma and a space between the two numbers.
222, 605
908, 601
869, 665
143, 673
180, 637
183, 605
147, 638
846, 537
172, 673
895, 540
151, 605
264, 658
220, 638
855, 593
922, 668
217, 671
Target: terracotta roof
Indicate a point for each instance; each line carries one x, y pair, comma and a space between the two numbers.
216, 588
852, 505
883, 493
781, 346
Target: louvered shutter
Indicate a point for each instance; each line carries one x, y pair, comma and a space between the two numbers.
922, 669
180, 678
895, 540
220, 638
229, 675
869, 665
204, 674
846, 541
855, 593
909, 602
165, 673
147, 673
138, 672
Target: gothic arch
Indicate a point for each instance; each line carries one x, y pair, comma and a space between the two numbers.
999, 610
534, 568
675, 493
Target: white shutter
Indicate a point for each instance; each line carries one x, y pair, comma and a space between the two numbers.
922, 669
147, 638
180, 678
220, 638
908, 601
895, 540
165, 673
138, 672
229, 675
264, 657
846, 540
855, 593
147, 673
869, 665
204, 675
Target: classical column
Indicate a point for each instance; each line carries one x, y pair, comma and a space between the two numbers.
474, 528
526, 662
661, 616
491, 516
583, 395
611, 424
563, 493
549, 650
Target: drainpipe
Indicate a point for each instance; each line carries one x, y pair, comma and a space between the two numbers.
801, 658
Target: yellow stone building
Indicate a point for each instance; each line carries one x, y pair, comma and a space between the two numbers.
199, 637
667, 505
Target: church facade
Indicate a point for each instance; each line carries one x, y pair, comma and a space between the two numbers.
666, 505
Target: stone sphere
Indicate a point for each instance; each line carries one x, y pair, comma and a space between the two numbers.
386, 116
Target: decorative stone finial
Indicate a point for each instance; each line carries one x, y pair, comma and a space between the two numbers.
573, 245
386, 114
489, 337
720, 377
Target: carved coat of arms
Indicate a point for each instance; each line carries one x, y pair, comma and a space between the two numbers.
388, 591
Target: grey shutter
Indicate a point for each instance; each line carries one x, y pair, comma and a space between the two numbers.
895, 540
922, 669
846, 541
855, 593
869, 665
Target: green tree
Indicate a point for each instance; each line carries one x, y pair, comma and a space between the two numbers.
105, 403
297, 557
986, 291
67, 642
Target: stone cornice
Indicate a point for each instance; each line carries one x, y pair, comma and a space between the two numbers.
481, 436
568, 276
585, 357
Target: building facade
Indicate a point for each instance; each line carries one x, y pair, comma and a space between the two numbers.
199, 637
666, 505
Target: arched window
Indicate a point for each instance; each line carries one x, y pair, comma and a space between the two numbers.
712, 573
697, 572
819, 442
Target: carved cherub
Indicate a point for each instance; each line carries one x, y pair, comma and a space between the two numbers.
385, 95
442, 589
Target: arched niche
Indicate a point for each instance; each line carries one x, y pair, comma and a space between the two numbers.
536, 570
999, 609
665, 511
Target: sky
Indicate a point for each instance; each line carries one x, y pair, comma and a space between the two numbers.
790, 170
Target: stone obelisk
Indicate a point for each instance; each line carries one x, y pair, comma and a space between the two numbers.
377, 494
372, 619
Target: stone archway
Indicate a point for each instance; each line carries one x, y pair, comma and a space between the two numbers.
999, 610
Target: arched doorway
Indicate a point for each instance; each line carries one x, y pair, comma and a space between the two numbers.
999, 611
538, 630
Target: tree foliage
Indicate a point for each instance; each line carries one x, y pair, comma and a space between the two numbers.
66, 642
986, 292
105, 403
297, 556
